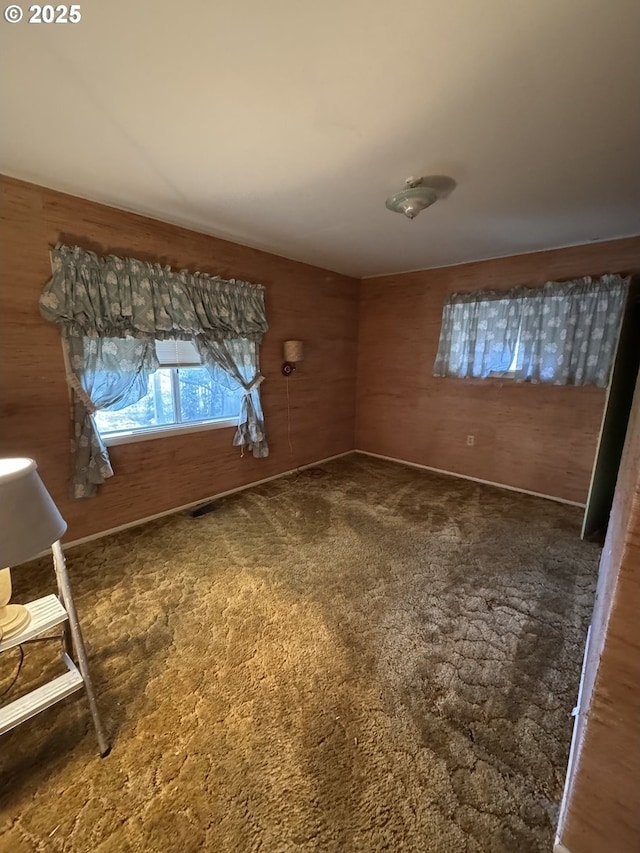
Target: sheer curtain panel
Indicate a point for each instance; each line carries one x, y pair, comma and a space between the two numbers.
564, 333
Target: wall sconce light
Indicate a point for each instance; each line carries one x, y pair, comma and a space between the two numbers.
293, 353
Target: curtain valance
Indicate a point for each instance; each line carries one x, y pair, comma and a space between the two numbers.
93, 296
577, 287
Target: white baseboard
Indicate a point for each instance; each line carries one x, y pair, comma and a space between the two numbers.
473, 479
215, 497
219, 495
559, 847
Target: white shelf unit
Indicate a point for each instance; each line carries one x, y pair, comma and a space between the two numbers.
22, 709
46, 613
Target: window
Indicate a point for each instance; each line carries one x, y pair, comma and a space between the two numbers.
497, 366
564, 333
181, 394
481, 337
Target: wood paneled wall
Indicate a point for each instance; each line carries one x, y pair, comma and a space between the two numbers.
537, 437
303, 302
602, 811
540, 438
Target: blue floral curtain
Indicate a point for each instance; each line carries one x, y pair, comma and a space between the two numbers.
478, 336
569, 333
99, 302
235, 363
563, 333
106, 373
113, 297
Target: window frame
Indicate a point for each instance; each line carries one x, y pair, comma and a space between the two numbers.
180, 427
512, 372
112, 439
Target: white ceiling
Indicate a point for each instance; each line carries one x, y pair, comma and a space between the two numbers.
284, 124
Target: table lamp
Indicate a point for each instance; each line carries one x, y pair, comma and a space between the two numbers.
29, 524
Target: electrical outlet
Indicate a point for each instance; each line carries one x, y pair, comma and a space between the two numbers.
471, 440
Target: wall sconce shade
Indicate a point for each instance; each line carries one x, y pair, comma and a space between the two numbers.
29, 520
293, 353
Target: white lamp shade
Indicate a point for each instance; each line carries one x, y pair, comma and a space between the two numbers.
293, 351
29, 520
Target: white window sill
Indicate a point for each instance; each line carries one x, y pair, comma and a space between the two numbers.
129, 437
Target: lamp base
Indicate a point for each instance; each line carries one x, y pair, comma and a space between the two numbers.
13, 619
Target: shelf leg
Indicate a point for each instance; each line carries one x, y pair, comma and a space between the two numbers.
64, 587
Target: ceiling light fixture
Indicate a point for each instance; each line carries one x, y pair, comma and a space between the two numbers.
413, 199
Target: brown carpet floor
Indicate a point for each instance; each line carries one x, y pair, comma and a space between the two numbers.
362, 657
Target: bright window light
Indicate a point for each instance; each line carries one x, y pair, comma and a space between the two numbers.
176, 396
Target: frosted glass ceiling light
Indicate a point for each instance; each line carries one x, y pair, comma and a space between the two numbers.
413, 199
